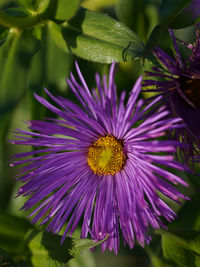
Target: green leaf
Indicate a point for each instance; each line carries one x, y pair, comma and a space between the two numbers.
15, 58
35, 5
46, 248
60, 10
153, 40
182, 247
158, 261
189, 215
186, 17
12, 232
18, 20
85, 259
169, 10
6, 260
80, 245
57, 37
66, 9
99, 38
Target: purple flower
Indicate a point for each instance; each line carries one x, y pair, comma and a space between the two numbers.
179, 85
100, 162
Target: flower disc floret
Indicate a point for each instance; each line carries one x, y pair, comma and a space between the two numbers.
106, 156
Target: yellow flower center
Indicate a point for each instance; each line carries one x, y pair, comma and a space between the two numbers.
106, 155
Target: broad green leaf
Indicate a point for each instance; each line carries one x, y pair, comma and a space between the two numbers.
169, 10
6, 260
46, 248
61, 10
85, 259
56, 35
12, 232
182, 247
157, 261
99, 38
15, 58
80, 245
66, 9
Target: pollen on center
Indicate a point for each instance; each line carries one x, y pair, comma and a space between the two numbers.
106, 155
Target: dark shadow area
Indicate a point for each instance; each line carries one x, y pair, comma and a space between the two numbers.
74, 29
56, 250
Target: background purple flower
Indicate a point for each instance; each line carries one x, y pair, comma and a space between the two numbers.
178, 84
103, 162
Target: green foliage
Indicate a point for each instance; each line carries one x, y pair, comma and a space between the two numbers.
12, 233
35, 5
158, 260
180, 244
39, 39
38, 248
169, 10
46, 248
85, 259
38, 12
182, 247
66, 9
99, 38
15, 58
80, 245
44, 74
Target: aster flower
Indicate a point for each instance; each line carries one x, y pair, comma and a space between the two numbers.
179, 85
100, 162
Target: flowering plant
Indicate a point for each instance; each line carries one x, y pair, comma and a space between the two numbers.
110, 159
